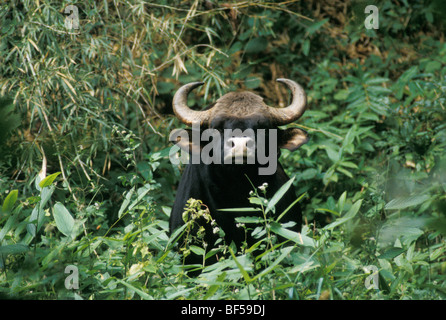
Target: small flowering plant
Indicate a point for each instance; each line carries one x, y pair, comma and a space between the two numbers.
194, 235
259, 198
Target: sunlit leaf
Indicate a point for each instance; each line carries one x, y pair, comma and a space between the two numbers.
64, 220
10, 200
48, 180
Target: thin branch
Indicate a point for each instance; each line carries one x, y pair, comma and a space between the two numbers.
56, 30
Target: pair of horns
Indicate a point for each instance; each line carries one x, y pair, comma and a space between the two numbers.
280, 116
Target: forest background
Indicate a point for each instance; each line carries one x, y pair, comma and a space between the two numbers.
86, 185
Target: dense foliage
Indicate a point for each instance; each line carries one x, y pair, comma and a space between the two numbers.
86, 181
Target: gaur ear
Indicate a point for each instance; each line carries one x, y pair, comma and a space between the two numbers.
292, 138
183, 139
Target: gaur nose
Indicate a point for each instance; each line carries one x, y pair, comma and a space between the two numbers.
238, 142
241, 148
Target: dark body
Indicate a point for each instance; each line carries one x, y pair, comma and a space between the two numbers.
220, 187
227, 185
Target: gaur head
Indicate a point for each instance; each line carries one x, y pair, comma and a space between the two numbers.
239, 126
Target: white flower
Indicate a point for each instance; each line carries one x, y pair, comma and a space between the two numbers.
263, 186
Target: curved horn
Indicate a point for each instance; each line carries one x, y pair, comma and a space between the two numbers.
182, 111
297, 107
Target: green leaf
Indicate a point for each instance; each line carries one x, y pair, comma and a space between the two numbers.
369, 116
31, 228
296, 237
45, 195
437, 253
64, 220
279, 194
242, 270
332, 154
378, 90
141, 293
14, 249
341, 95
409, 74
48, 180
316, 26
405, 202
214, 287
249, 219
329, 174
346, 172
432, 66
290, 206
246, 209
142, 192
254, 246
341, 201
348, 164
306, 47
172, 240
377, 80
10, 200
252, 82
330, 211
348, 216
8, 225
256, 45
176, 293
309, 174
391, 253
36, 220
350, 136
286, 251
126, 202
256, 200
197, 250
399, 86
